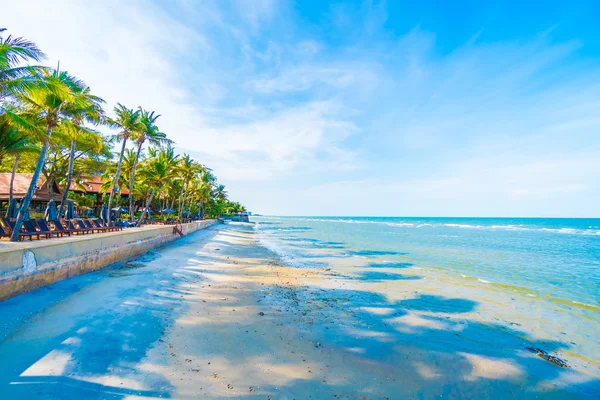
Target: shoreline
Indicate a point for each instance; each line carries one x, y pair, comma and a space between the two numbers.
215, 314
557, 326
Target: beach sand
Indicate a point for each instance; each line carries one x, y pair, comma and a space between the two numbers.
216, 315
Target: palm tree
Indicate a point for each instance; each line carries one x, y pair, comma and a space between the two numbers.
150, 133
108, 177
187, 170
128, 121
221, 193
90, 111
44, 106
13, 142
153, 174
171, 159
14, 78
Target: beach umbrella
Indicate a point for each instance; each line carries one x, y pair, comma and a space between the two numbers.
70, 210
51, 211
104, 213
83, 210
13, 210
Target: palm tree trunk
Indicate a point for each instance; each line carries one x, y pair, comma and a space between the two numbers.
137, 156
116, 183
69, 179
148, 201
190, 206
180, 197
27, 199
162, 204
12, 178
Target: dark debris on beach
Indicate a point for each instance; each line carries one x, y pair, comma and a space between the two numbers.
545, 356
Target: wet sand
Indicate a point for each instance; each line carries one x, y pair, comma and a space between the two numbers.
216, 315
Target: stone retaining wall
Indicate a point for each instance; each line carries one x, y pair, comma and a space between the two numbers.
28, 266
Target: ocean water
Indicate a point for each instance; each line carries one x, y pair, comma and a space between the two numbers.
542, 273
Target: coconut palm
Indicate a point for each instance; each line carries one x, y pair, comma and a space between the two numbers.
128, 121
187, 170
220, 193
153, 173
149, 133
13, 77
108, 177
45, 106
89, 109
171, 159
13, 142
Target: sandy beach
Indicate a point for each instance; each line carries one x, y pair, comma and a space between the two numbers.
216, 315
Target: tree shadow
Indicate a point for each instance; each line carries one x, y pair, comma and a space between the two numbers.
372, 276
375, 253
390, 265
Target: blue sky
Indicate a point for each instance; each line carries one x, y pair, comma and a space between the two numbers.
439, 108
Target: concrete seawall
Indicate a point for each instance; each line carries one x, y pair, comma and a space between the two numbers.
28, 266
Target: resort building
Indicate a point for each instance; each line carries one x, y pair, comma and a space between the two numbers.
90, 185
41, 196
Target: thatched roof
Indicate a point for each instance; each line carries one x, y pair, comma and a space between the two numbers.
21, 185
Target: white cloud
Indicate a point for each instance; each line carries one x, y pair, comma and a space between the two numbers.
132, 56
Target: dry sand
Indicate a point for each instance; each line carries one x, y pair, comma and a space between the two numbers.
216, 315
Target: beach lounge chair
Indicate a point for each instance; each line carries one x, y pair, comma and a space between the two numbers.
90, 224
31, 227
43, 225
113, 226
85, 223
60, 227
79, 224
11, 225
99, 225
4, 233
76, 228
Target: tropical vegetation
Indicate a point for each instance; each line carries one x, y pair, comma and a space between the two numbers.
53, 125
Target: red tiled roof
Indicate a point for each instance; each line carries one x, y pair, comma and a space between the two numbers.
91, 184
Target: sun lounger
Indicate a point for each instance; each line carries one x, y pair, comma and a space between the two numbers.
43, 225
63, 228
88, 225
4, 233
99, 225
11, 225
78, 223
77, 228
30, 227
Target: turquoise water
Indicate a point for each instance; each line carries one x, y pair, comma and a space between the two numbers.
556, 259
471, 284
